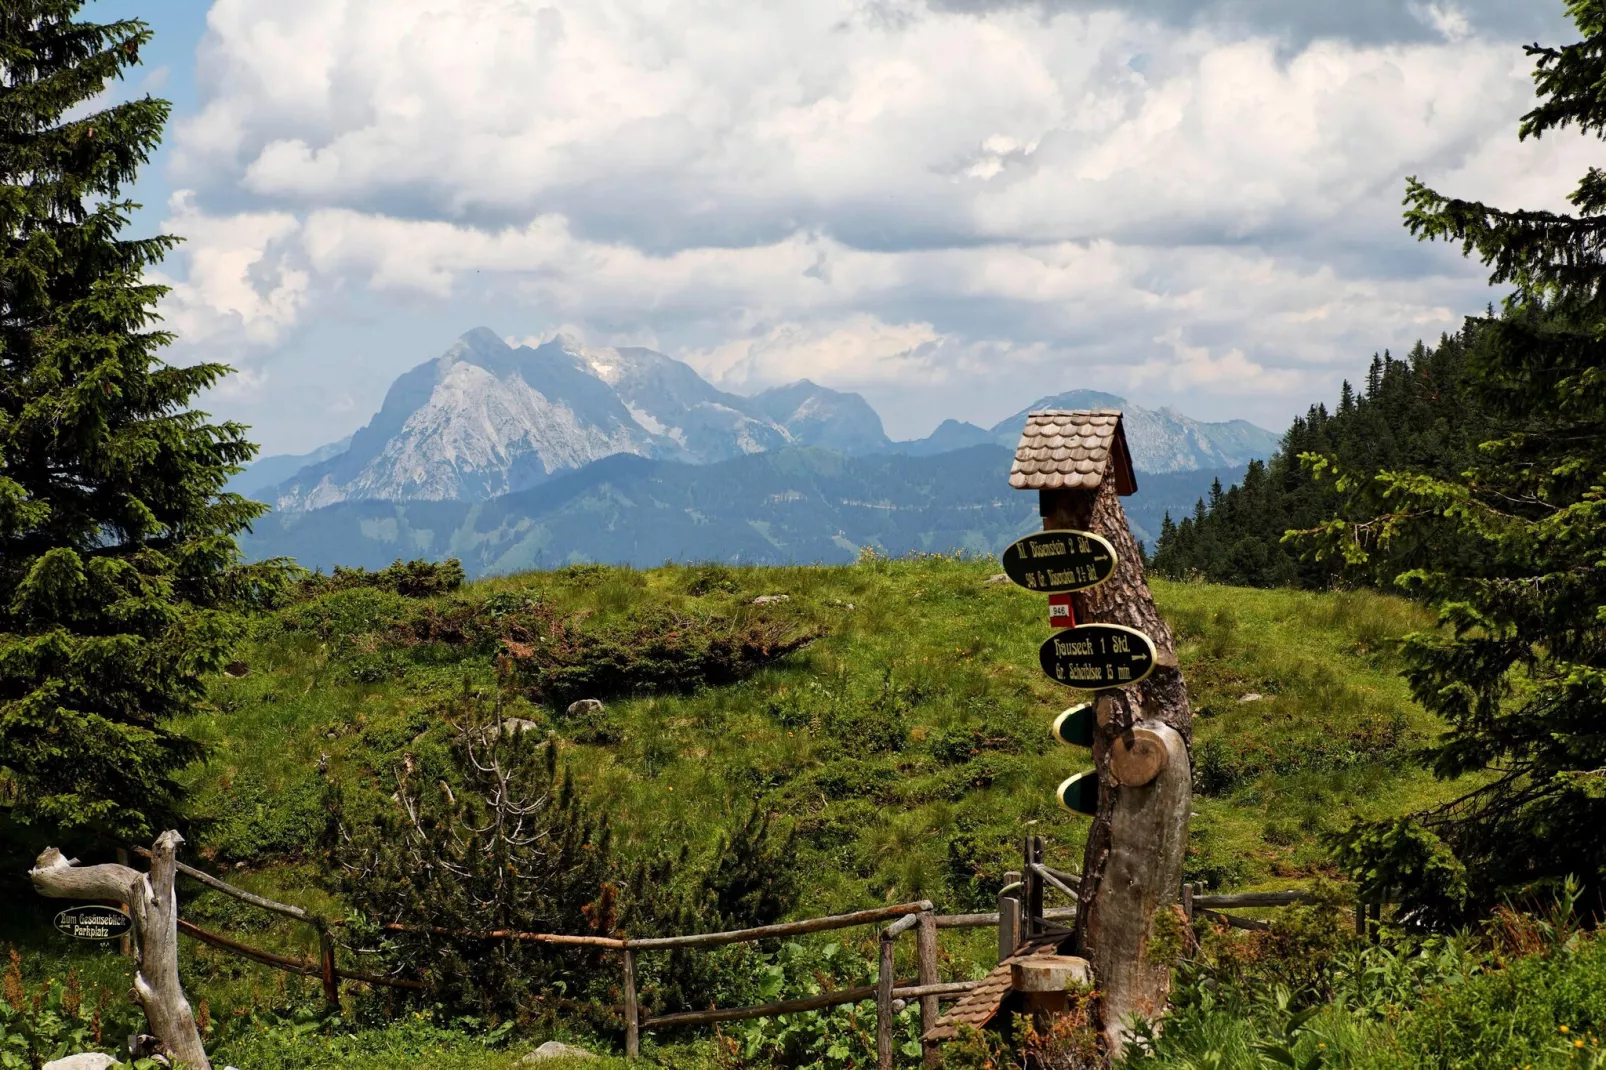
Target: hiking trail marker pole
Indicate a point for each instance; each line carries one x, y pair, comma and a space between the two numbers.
1139, 724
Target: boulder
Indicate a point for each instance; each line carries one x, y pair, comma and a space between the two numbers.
998, 577
586, 707
553, 1049
771, 599
87, 1060
1253, 696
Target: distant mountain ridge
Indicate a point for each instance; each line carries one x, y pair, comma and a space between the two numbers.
793, 505
487, 419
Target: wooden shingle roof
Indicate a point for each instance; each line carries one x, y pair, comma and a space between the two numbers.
1073, 449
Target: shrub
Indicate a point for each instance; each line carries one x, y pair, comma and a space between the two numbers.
410, 579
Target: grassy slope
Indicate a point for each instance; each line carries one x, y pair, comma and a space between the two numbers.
927, 643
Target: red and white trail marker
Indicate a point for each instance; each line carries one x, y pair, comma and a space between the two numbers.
1060, 613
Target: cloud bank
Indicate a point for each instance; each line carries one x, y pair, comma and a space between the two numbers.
943, 204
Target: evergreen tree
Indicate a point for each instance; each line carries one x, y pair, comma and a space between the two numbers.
117, 557
1518, 670
1412, 412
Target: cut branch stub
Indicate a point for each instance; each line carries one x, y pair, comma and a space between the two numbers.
1138, 756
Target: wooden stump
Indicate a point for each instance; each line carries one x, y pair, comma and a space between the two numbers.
153, 906
1132, 870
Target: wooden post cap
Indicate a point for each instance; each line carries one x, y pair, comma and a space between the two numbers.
1049, 973
1138, 756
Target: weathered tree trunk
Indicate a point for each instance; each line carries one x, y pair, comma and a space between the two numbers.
153, 906
1132, 870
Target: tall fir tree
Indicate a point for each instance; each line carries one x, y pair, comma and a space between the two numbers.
1518, 670
118, 565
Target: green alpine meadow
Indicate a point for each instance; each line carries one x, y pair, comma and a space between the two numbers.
520, 795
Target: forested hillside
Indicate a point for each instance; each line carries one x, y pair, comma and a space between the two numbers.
1416, 413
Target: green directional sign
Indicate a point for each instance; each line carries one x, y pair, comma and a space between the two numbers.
1080, 793
1093, 656
1074, 726
1057, 561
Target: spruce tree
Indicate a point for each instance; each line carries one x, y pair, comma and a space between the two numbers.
1513, 550
118, 565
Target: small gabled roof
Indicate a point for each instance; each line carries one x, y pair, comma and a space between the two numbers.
1072, 449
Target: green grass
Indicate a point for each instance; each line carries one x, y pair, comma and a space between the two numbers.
860, 740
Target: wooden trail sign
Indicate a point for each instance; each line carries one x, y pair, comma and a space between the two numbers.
1074, 727
1093, 656
1080, 793
1078, 463
93, 922
1056, 562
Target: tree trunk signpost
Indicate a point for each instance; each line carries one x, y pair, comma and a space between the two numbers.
1113, 643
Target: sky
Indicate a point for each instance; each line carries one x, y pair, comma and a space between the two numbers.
953, 207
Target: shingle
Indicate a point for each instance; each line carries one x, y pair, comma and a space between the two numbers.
1065, 448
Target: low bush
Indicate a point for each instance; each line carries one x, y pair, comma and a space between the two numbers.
410, 579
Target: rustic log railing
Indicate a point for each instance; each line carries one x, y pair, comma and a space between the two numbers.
888, 993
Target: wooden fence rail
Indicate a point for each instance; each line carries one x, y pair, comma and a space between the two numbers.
920, 917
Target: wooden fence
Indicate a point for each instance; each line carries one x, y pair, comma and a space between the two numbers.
1019, 917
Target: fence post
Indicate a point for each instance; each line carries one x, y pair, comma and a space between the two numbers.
1187, 901
125, 943
632, 1011
1009, 921
326, 957
926, 948
1360, 918
883, 1005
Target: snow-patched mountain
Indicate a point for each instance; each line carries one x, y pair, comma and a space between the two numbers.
1161, 440
815, 415
668, 398
486, 418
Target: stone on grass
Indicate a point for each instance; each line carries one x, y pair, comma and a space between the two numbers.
771, 599
998, 577
585, 707
1253, 696
553, 1049
88, 1060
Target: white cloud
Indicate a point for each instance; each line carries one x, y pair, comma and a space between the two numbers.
864, 194
241, 283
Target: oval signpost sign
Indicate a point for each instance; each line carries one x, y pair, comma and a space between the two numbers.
94, 922
1080, 793
1057, 561
1092, 656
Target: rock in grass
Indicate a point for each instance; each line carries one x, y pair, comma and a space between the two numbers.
996, 578
553, 1049
87, 1060
585, 707
771, 599
1253, 696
